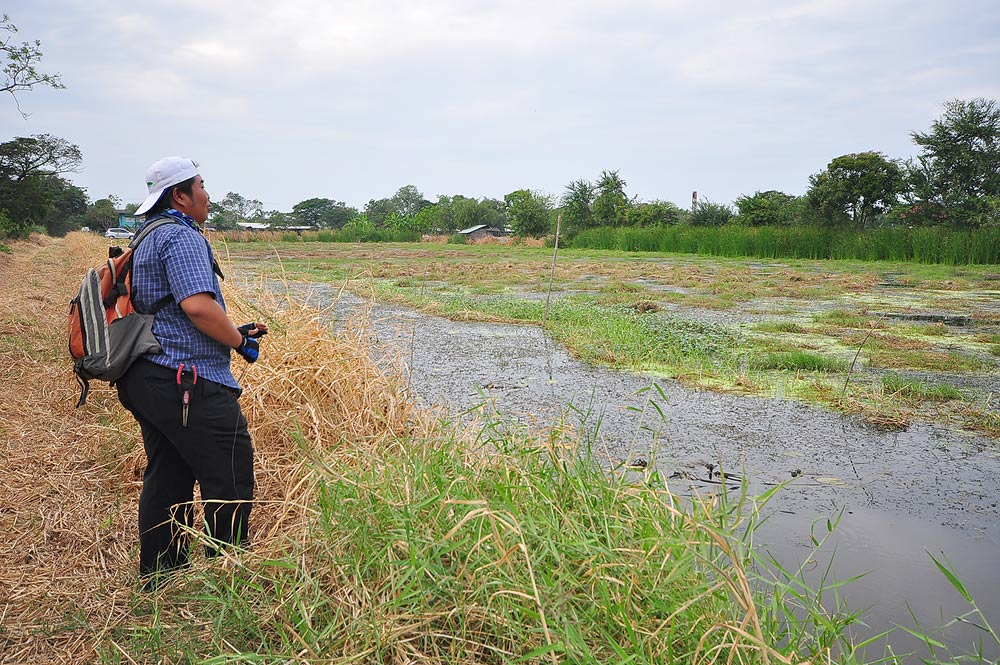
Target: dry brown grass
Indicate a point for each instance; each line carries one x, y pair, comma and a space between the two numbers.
71, 478
244, 236
437, 239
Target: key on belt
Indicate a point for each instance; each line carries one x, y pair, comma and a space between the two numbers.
186, 381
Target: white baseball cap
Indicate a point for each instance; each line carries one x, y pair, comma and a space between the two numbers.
165, 173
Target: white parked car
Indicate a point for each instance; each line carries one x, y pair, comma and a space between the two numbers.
118, 233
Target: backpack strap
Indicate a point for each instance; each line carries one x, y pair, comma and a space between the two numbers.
149, 227
84, 389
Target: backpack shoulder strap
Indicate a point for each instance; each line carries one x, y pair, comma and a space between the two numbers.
151, 226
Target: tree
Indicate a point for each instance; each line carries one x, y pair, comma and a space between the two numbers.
377, 211
441, 215
527, 212
101, 214
25, 203
360, 224
234, 210
408, 201
29, 179
324, 213
958, 169
770, 208
428, 220
18, 63
654, 213
854, 189
707, 213
398, 211
611, 205
38, 155
277, 219
67, 205
468, 212
577, 205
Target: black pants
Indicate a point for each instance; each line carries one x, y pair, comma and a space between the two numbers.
214, 449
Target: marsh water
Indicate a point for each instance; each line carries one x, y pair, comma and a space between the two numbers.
900, 496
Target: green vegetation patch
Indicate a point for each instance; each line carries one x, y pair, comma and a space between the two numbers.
533, 552
623, 335
922, 245
799, 361
844, 319
780, 327
938, 361
988, 423
893, 385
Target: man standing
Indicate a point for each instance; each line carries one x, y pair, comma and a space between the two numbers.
185, 397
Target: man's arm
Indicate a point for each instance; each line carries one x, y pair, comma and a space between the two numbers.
208, 316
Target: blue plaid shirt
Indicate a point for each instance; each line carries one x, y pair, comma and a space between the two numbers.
176, 260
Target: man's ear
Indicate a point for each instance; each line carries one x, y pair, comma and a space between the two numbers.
175, 197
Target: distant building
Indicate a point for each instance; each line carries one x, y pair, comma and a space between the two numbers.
481, 231
258, 226
253, 226
127, 220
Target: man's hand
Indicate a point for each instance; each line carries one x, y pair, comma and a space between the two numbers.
253, 330
249, 349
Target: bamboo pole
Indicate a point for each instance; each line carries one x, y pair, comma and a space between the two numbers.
552, 271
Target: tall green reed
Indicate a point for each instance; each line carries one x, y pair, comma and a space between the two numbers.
922, 245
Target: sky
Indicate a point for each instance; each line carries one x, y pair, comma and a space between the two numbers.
282, 101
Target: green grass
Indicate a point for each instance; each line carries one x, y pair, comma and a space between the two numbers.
894, 384
779, 327
612, 334
935, 361
843, 319
926, 245
621, 287
933, 330
532, 554
509, 549
799, 361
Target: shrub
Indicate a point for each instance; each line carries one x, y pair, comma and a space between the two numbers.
707, 213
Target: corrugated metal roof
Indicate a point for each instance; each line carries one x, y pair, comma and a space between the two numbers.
474, 228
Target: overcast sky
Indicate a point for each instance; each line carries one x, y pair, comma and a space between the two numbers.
287, 100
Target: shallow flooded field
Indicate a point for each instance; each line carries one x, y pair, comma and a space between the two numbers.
930, 484
893, 343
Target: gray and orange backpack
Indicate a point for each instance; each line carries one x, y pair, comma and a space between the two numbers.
106, 332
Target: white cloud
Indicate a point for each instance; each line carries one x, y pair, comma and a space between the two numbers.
354, 99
